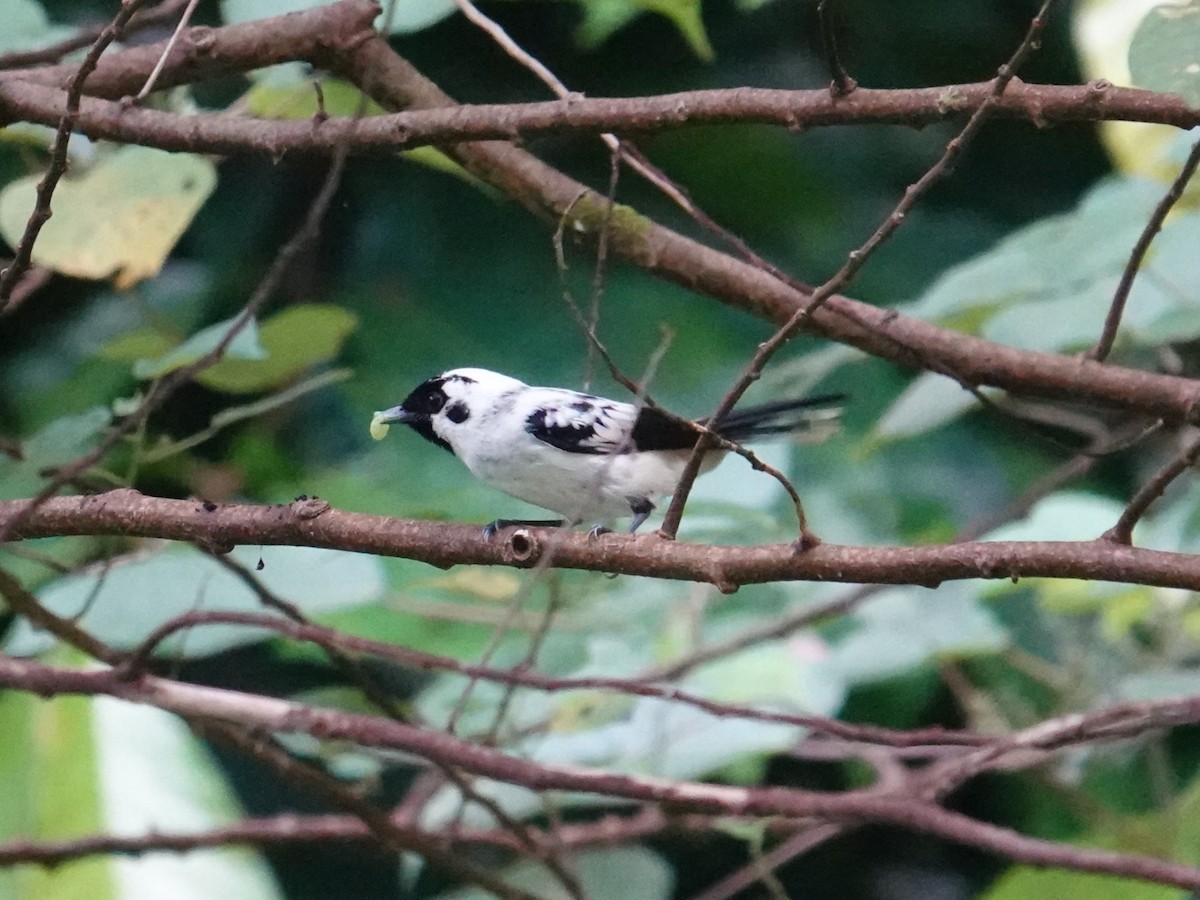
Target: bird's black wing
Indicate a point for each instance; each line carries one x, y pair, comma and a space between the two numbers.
581, 423
655, 430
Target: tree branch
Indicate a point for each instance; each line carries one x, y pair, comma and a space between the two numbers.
312, 523
393, 82
290, 829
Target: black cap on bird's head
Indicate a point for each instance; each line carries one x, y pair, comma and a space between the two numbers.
437, 405
418, 409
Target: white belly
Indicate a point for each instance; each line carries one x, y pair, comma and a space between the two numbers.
584, 487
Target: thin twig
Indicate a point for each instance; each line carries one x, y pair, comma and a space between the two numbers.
25, 604
600, 271
517, 676
58, 152
162, 60
639, 389
350, 667
841, 83
34, 279
744, 878
560, 90
1112, 321
1122, 531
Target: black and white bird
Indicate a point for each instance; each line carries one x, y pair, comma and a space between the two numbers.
586, 458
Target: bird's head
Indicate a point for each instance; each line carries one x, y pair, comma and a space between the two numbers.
440, 408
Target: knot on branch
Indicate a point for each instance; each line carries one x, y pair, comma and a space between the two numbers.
807, 541
353, 23
305, 507
200, 41
521, 547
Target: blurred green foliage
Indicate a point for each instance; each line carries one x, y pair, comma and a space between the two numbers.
416, 271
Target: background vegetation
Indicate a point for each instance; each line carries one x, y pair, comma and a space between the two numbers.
215, 328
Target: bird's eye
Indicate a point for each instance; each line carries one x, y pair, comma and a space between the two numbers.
427, 400
458, 413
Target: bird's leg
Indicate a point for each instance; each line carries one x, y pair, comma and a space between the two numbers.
490, 529
641, 507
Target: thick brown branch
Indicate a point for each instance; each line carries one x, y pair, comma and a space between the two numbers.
314, 524
881, 332
204, 53
32, 98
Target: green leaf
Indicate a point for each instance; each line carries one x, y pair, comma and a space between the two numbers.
438, 161
119, 219
280, 99
791, 674
143, 343
27, 27
1168, 833
1065, 516
1048, 258
907, 627
122, 603
229, 416
49, 763
59, 442
291, 341
603, 18
245, 345
1165, 52
929, 400
1159, 684
1023, 883
155, 775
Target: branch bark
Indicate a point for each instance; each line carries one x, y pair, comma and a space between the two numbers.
312, 523
32, 97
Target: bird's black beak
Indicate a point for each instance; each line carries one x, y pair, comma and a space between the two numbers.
396, 415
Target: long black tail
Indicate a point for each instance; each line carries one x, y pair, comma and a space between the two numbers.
654, 430
784, 417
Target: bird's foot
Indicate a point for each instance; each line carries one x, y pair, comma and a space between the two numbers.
596, 530
641, 507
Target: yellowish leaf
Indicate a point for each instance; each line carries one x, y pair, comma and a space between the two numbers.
120, 219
